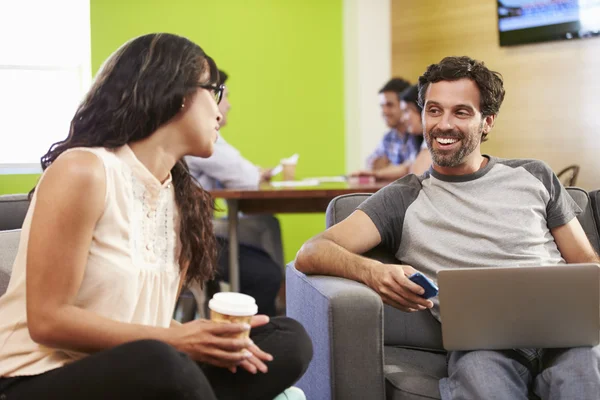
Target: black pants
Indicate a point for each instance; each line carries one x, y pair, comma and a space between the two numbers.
260, 276
150, 369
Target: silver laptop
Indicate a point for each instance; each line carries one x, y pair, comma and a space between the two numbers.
520, 307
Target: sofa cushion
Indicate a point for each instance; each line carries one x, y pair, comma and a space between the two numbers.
412, 374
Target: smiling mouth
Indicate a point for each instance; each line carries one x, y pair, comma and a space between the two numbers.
446, 141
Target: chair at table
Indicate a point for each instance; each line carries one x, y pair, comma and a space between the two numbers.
260, 231
365, 349
568, 176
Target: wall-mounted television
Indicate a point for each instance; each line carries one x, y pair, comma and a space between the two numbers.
527, 21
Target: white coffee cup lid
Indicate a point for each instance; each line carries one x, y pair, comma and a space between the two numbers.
293, 160
234, 304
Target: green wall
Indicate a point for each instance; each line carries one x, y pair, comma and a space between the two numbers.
17, 183
285, 63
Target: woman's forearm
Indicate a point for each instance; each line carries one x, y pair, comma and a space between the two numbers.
73, 328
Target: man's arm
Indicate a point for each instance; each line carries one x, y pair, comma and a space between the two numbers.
380, 163
336, 252
226, 165
392, 172
573, 243
378, 158
422, 162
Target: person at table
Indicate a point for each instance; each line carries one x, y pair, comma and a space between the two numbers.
260, 251
397, 147
226, 167
411, 120
411, 116
115, 227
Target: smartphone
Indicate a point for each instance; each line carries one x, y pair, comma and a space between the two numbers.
431, 290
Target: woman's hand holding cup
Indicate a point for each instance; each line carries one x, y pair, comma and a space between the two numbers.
222, 345
236, 308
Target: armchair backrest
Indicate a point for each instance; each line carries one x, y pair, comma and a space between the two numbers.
595, 201
13, 208
421, 329
588, 217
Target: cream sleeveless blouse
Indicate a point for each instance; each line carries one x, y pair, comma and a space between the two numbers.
132, 272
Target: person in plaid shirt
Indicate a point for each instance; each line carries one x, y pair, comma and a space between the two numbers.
398, 149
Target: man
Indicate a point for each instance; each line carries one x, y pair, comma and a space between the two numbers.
261, 254
471, 210
397, 150
226, 167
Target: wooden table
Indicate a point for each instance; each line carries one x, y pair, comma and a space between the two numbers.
270, 200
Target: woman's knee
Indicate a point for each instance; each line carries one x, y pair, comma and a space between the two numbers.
154, 350
167, 371
298, 345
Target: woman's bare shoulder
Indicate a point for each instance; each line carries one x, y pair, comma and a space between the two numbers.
75, 177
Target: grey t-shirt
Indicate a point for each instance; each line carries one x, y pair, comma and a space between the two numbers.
500, 215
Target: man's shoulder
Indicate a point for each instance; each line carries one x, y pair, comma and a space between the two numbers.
408, 183
532, 165
394, 198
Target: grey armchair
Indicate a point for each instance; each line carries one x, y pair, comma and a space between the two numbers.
365, 349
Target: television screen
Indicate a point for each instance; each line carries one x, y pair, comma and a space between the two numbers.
528, 21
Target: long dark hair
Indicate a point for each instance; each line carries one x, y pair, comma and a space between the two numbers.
139, 88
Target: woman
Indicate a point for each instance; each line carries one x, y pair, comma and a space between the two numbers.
411, 116
115, 227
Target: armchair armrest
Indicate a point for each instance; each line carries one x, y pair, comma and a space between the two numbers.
345, 322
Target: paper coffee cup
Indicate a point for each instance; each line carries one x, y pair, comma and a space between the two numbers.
289, 171
230, 307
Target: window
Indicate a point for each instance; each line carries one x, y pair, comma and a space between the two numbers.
45, 70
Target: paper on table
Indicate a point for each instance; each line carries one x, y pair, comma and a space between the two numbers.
305, 182
327, 179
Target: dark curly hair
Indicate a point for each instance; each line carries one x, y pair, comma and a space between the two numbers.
396, 85
490, 84
139, 88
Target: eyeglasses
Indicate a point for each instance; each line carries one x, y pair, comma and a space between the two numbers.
216, 90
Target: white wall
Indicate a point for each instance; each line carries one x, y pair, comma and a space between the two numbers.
367, 67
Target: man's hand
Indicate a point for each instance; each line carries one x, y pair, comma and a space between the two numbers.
392, 284
265, 174
392, 172
380, 162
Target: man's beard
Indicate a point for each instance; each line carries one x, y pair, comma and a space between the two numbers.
468, 143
